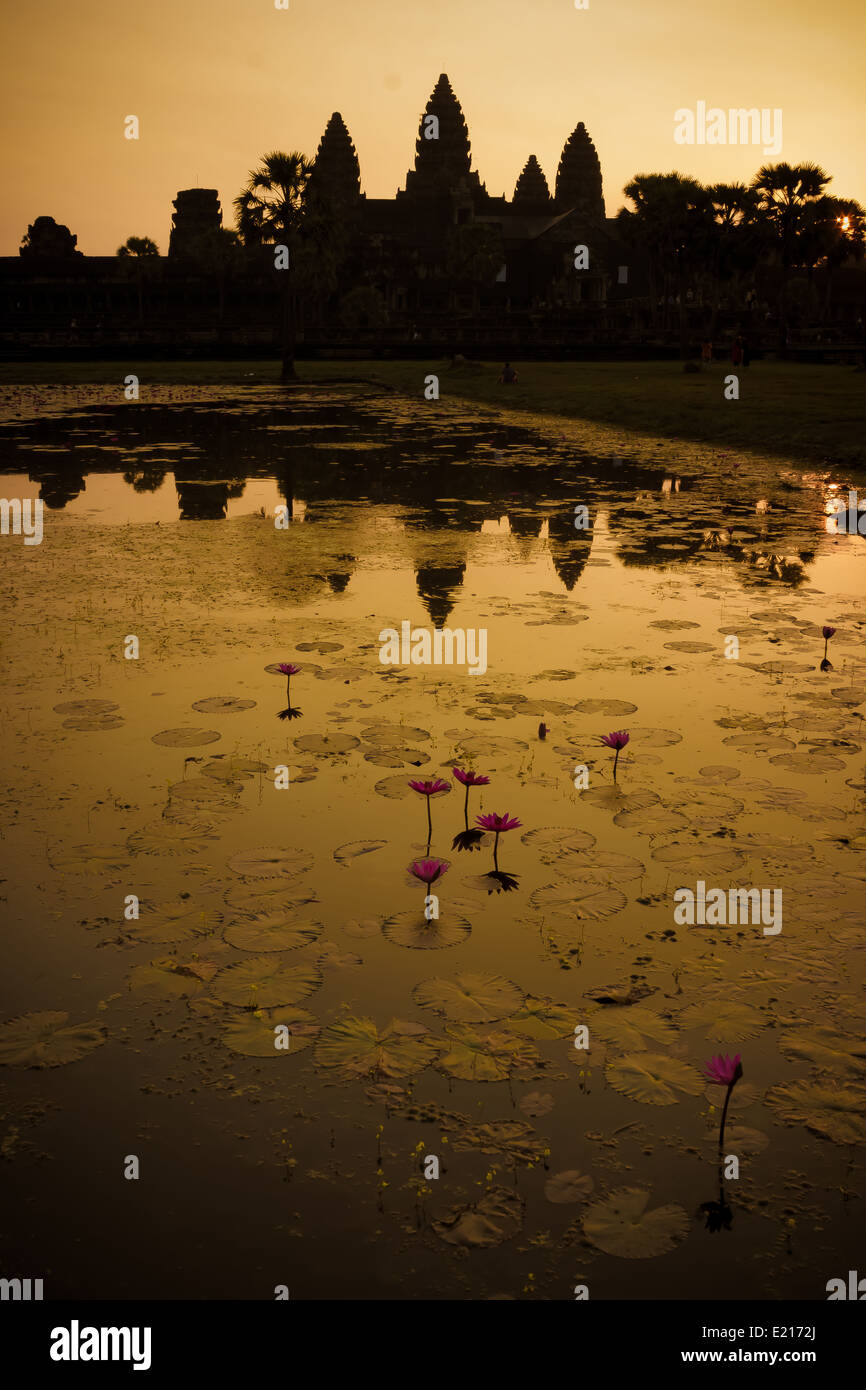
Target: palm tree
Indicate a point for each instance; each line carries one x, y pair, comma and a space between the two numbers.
671, 220
735, 242
788, 199
136, 251
271, 211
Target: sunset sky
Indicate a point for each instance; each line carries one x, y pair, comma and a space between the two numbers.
217, 83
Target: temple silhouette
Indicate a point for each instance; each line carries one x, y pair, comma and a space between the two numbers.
443, 257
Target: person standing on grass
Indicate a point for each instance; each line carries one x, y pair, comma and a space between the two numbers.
707, 353
736, 352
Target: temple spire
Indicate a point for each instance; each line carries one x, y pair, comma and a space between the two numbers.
578, 178
336, 171
442, 151
532, 187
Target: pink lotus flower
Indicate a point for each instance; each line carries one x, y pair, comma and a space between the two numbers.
470, 779
428, 870
288, 669
498, 823
723, 1071
618, 740
430, 788
827, 633
615, 740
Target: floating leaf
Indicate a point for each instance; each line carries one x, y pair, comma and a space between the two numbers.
631, 1027
268, 895
470, 998
543, 1018
724, 1021
271, 931
223, 704
355, 1047
353, 849
812, 764
262, 863
327, 745
234, 769
567, 1187
690, 646
698, 859
90, 859
552, 843
826, 1049
653, 1078
494, 1218
412, 930
653, 820
511, 1138
485, 1054
621, 1225
86, 708
167, 978
265, 982
254, 1034
185, 737
607, 707
580, 897
42, 1040
536, 1103
833, 1112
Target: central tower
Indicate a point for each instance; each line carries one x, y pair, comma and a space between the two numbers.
442, 153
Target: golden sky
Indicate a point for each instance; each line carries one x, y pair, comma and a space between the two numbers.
217, 83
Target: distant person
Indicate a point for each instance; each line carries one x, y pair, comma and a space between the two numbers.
736, 352
509, 375
707, 353
747, 352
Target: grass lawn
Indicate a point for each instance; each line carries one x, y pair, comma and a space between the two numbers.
796, 410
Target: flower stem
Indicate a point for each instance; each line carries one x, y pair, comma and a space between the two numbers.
496, 853
466, 808
615, 761
429, 826
731, 1086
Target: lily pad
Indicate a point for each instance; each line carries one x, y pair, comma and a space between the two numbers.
470, 998
553, 843
631, 1027
185, 737
271, 931
253, 1034
485, 1054
543, 1018
607, 707
581, 898
826, 1050
622, 1225
812, 764
355, 1047
723, 1020
265, 982
353, 849
327, 745
268, 895
264, 863
222, 704
45, 1040
494, 1218
234, 769
654, 1078
833, 1112
412, 930
567, 1187
86, 707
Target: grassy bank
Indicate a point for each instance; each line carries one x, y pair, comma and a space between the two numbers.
813, 413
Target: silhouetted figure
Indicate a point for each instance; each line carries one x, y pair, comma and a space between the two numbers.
736, 352
747, 352
509, 375
707, 353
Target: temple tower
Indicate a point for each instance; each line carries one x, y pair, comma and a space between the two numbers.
196, 217
531, 190
442, 153
336, 171
578, 178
